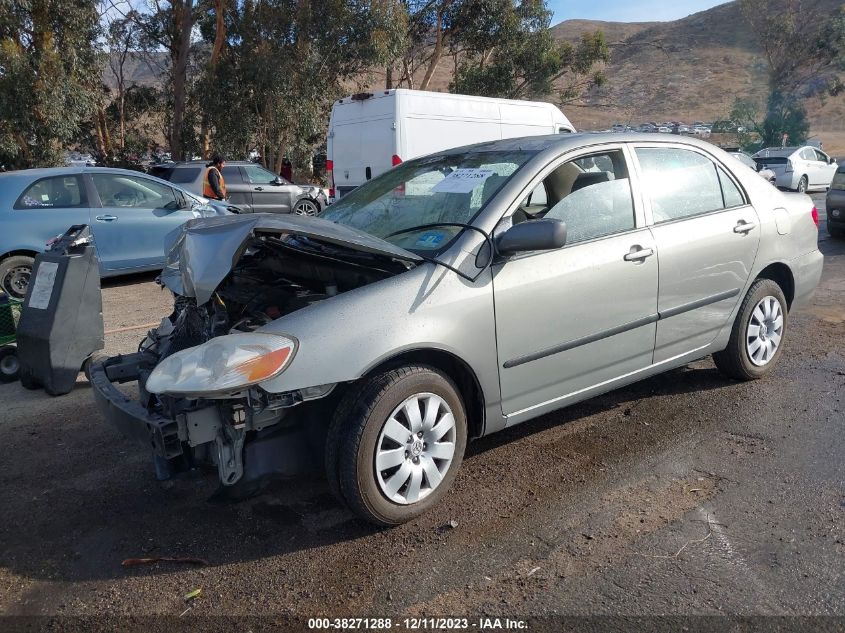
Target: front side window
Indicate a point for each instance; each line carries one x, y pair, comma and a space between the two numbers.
137, 193
592, 195
58, 192
259, 176
681, 183
436, 189
821, 156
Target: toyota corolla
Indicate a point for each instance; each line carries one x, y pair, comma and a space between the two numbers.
454, 296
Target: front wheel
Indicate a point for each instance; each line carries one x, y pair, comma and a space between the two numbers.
802, 185
306, 206
395, 444
757, 335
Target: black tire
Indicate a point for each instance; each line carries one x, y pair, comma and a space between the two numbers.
835, 232
802, 185
9, 365
354, 434
734, 360
14, 277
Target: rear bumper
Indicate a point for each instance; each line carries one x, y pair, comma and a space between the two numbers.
129, 416
807, 271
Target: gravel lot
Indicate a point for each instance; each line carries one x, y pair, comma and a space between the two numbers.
684, 494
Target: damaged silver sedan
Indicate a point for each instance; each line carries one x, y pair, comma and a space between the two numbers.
451, 297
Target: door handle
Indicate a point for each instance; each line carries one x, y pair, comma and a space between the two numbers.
259, 189
638, 254
744, 227
106, 218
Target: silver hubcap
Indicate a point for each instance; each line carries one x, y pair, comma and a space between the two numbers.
765, 330
305, 208
16, 281
802, 185
9, 365
415, 448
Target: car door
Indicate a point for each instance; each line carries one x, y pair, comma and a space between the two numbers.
270, 192
582, 315
707, 236
134, 215
826, 168
48, 207
238, 188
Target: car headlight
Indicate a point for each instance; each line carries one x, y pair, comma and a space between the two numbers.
223, 365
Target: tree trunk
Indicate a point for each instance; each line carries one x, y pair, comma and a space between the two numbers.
436, 55
388, 77
219, 40
183, 22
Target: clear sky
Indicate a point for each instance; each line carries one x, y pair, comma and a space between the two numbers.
628, 10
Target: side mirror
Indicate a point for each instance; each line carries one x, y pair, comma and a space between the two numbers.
533, 235
277, 181
831, 161
173, 205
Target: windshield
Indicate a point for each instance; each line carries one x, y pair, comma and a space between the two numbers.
838, 180
452, 188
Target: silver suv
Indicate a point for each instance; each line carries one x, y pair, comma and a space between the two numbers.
250, 187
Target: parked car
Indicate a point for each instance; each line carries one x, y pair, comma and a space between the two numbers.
835, 204
798, 168
129, 214
766, 174
371, 132
513, 281
251, 188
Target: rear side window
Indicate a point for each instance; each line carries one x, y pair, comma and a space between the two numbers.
184, 175
732, 194
57, 192
680, 182
232, 174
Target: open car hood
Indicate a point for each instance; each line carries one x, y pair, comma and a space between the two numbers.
201, 252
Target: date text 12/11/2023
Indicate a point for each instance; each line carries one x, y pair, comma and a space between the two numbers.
418, 624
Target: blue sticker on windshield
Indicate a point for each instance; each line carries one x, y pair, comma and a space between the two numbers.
430, 239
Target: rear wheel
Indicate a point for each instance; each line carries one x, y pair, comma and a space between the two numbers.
757, 335
15, 272
802, 185
396, 443
9, 365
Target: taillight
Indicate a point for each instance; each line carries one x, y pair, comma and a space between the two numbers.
788, 169
330, 175
395, 160
815, 214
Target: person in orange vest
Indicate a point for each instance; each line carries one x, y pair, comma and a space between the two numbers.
213, 185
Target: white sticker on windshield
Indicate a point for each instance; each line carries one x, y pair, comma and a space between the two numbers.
462, 180
42, 288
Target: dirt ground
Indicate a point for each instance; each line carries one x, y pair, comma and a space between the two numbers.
683, 495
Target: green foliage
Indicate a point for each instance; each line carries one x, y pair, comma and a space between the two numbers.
510, 51
49, 77
765, 128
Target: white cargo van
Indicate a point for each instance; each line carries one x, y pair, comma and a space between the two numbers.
371, 132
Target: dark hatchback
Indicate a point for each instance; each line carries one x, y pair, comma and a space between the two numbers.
835, 204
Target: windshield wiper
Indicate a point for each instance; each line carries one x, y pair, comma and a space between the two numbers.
461, 225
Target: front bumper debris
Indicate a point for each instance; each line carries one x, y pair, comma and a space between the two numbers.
130, 417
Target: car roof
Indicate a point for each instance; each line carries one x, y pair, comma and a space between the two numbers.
195, 163
566, 142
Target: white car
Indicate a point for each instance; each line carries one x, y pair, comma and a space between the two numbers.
798, 168
766, 174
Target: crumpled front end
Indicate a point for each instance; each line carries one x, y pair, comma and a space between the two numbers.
199, 373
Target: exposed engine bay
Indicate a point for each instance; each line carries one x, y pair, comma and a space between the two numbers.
249, 434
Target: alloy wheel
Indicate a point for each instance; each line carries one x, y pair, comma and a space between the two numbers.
305, 207
415, 448
765, 330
